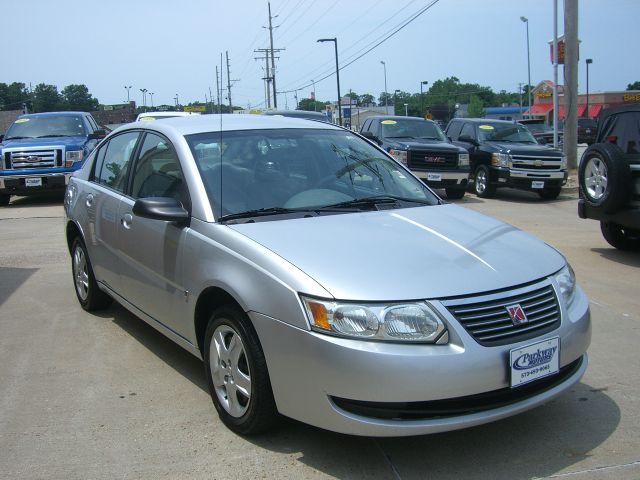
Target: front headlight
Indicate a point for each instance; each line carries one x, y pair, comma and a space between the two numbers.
399, 155
463, 160
397, 322
72, 156
566, 281
501, 160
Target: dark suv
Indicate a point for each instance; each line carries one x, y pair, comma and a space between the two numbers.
587, 128
424, 149
609, 176
505, 154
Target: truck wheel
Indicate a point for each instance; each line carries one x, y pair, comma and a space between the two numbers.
455, 193
237, 373
550, 193
620, 237
482, 184
4, 199
604, 177
89, 294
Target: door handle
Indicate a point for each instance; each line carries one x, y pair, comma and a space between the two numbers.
126, 220
89, 201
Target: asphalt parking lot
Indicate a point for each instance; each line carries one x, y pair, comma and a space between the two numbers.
105, 396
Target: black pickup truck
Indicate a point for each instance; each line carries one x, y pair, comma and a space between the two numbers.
505, 154
424, 149
609, 176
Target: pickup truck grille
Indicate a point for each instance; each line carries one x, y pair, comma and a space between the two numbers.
532, 162
424, 159
25, 159
488, 321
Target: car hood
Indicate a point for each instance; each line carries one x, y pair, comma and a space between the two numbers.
67, 142
523, 149
411, 253
421, 144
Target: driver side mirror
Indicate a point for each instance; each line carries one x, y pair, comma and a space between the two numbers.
468, 139
98, 134
370, 136
161, 208
1, 138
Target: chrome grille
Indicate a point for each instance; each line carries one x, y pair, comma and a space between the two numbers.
431, 160
486, 318
534, 162
33, 158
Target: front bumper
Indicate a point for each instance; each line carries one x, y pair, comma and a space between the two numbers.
17, 184
523, 179
312, 374
443, 179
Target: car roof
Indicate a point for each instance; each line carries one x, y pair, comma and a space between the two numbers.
54, 114
398, 117
193, 124
296, 113
483, 120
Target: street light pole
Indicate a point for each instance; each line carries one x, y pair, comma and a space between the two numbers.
335, 44
406, 109
144, 98
128, 88
424, 82
395, 100
588, 61
151, 94
526, 21
386, 96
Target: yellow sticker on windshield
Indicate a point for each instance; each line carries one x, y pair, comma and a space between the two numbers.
147, 119
388, 122
487, 127
22, 120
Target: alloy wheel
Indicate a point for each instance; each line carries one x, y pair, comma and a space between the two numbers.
596, 178
81, 273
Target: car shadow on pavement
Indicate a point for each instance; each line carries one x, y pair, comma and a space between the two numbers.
35, 201
537, 443
619, 256
511, 195
11, 279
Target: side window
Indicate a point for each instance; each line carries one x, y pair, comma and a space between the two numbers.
92, 123
468, 130
157, 171
366, 126
453, 130
115, 161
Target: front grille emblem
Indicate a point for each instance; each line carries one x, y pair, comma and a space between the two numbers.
32, 159
517, 315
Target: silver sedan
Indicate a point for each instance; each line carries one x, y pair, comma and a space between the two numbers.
318, 279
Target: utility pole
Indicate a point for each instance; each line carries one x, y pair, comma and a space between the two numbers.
229, 83
571, 82
520, 92
273, 62
267, 78
555, 73
211, 99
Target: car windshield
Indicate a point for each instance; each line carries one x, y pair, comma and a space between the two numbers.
274, 171
537, 127
405, 128
47, 126
505, 132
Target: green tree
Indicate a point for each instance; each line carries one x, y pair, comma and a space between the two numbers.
45, 98
311, 105
476, 105
77, 97
12, 96
634, 86
366, 99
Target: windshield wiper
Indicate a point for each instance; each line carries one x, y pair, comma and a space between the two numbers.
430, 138
374, 201
54, 135
401, 136
15, 138
262, 212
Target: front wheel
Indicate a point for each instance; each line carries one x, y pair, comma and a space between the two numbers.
620, 237
89, 294
550, 193
482, 182
237, 373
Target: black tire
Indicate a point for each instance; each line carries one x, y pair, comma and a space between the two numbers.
89, 295
482, 186
550, 193
620, 237
455, 193
604, 177
244, 414
4, 199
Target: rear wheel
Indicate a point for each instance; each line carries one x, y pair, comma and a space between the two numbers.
604, 177
482, 184
620, 237
89, 294
455, 193
237, 373
4, 199
550, 193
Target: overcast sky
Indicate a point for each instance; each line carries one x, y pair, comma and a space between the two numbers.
171, 47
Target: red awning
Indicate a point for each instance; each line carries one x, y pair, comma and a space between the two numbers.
594, 110
581, 109
560, 111
539, 109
